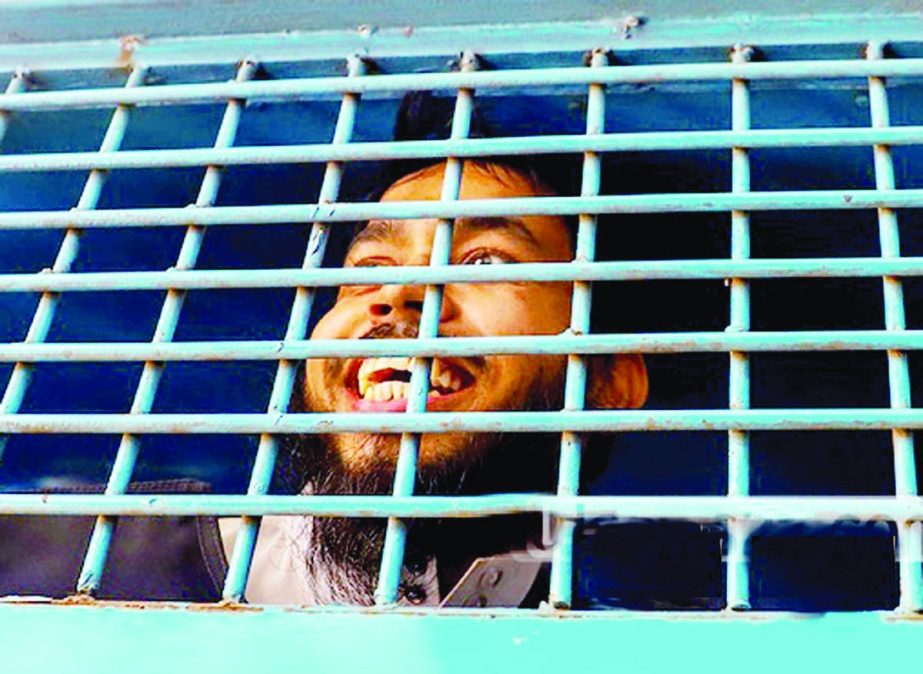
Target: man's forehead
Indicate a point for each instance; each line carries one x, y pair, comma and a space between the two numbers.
391, 231
479, 180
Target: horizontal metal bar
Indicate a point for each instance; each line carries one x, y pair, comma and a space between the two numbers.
470, 422
475, 147
679, 342
697, 202
421, 275
698, 508
489, 79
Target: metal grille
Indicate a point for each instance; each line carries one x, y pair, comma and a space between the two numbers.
738, 510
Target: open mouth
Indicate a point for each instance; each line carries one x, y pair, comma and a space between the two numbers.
384, 383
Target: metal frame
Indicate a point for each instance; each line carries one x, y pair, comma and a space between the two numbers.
739, 510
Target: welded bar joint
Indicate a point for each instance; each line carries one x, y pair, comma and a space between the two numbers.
575, 383
302, 87
283, 384
738, 573
909, 540
860, 267
430, 347
594, 421
392, 558
148, 384
42, 318
716, 202
646, 141
814, 509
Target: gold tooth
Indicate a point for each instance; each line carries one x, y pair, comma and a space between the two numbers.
365, 370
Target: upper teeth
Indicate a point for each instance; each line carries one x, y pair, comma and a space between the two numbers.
439, 376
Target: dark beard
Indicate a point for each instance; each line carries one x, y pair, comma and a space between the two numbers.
497, 463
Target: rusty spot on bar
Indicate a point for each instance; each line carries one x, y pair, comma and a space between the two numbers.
127, 46
226, 606
76, 600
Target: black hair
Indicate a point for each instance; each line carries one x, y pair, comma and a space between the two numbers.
423, 116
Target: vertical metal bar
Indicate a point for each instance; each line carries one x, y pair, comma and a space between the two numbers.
562, 561
16, 85
21, 376
129, 446
392, 558
738, 582
909, 540
260, 477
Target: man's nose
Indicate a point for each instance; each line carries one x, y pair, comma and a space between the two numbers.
398, 303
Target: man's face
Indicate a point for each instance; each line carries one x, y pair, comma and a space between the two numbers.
487, 383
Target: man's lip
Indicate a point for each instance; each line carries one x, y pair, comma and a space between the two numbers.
433, 402
363, 405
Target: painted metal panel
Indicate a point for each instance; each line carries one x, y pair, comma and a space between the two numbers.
114, 639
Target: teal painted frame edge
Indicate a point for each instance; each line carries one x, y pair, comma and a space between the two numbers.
48, 638
100, 33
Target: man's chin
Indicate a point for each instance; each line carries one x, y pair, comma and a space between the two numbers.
441, 457
363, 453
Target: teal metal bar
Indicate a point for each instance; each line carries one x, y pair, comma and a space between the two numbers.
16, 85
562, 561
738, 572
405, 475
910, 543
21, 376
691, 508
648, 141
488, 79
862, 267
267, 452
406, 210
130, 445
856, 419
564, 344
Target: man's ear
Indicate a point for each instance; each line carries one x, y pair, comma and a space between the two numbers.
616, 381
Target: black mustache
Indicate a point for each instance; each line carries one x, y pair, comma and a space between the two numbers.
409, 331
392, 331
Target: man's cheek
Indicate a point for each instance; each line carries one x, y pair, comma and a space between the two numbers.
535, 309
320, 382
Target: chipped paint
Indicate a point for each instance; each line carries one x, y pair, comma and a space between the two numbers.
128, 45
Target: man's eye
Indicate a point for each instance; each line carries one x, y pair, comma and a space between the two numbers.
485, 257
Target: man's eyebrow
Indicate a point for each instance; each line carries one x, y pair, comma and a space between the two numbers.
387, 230
514, 226
376, 230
